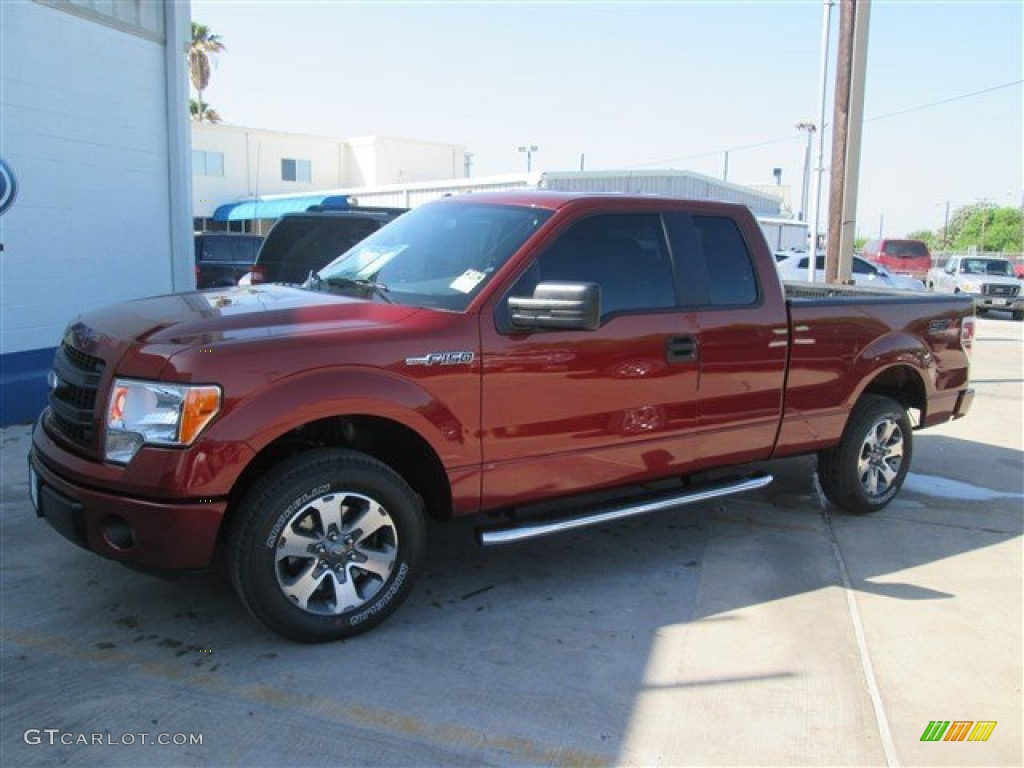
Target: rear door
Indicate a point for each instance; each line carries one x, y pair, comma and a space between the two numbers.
742, 331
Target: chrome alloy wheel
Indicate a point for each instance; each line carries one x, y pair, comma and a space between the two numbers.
881, 456
335, 553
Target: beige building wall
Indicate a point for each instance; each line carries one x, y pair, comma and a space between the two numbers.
233, 163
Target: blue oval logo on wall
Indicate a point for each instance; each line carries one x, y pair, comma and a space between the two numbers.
8, 186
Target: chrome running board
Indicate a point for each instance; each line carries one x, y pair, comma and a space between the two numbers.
507, 534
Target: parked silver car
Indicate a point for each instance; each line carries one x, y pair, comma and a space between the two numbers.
792, 266
989, 280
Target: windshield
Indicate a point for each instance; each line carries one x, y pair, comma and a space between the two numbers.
439, 255
987, 267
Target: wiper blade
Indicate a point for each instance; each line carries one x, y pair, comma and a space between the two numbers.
370, 286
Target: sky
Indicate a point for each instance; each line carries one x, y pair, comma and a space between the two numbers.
645, 85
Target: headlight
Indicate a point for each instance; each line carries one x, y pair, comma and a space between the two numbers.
153, 413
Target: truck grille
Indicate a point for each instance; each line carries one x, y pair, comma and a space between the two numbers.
73, 400
997, 289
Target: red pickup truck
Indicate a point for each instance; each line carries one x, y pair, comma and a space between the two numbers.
486, 353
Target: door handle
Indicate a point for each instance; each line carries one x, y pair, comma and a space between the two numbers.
681, 349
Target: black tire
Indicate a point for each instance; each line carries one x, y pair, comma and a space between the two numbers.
1018, 314
867, 469
304, 556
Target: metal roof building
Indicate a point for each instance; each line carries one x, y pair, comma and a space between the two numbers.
680, 184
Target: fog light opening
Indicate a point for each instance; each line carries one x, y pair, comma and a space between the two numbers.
118, 532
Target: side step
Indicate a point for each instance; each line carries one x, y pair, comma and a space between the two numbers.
507, 534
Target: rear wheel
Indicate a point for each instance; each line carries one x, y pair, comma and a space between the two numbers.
1018, 314
327, 545
867, 469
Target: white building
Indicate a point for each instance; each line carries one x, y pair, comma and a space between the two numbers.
94, 111
683, 184
246, 166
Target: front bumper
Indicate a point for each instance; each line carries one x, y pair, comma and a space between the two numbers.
963, 403
154, 534
1007, 303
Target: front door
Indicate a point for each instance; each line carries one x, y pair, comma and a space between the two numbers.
569, 410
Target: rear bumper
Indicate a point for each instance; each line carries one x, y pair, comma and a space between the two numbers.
159, 535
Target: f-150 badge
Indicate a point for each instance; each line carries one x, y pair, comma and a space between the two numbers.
442, 358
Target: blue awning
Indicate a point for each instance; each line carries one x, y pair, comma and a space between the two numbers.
272, 209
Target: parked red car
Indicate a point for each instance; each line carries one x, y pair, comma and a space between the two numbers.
905, 257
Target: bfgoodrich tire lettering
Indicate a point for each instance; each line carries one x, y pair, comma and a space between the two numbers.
326, 545
867, 469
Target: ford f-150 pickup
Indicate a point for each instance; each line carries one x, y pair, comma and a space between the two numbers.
506, 353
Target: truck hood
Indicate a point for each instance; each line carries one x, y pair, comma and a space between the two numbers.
236, 313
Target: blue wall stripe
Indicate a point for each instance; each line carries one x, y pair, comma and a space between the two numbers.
23, 385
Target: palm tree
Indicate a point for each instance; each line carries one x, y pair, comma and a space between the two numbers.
203, 45
207, 112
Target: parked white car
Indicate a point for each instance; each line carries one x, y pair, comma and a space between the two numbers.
792, 266
990, 281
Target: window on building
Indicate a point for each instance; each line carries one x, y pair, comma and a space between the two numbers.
296, 170
207, 163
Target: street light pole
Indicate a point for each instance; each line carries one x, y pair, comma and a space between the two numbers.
810, 128
945, 233
819, 166
529, 149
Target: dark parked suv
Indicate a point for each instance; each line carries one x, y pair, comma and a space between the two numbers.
223, 257
300, 243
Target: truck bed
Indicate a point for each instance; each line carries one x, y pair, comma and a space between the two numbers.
903, 337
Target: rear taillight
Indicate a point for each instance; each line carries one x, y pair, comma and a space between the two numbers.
967, 333
259, 274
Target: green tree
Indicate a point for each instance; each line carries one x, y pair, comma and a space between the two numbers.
204, 45
988, 229
929, 238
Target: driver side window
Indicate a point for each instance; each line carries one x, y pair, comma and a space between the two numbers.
625, 255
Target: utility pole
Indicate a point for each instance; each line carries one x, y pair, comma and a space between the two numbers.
725, 170
848, 117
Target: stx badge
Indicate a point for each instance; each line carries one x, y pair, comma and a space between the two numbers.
442, 358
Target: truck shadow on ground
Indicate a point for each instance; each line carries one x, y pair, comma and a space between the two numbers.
529, 653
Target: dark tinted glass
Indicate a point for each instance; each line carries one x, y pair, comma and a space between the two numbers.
625, 255
296, 246
905, 249
731, 277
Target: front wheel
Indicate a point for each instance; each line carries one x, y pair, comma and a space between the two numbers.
867, 469
1018, 314
326, 546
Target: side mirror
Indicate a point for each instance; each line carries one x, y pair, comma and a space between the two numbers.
558, 306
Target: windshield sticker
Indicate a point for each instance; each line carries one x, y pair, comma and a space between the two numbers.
467, 281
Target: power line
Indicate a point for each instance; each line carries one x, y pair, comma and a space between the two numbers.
796, 137
950, 100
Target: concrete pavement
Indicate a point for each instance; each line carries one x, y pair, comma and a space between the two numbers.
756, 630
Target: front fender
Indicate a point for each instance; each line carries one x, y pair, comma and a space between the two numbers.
263, 417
